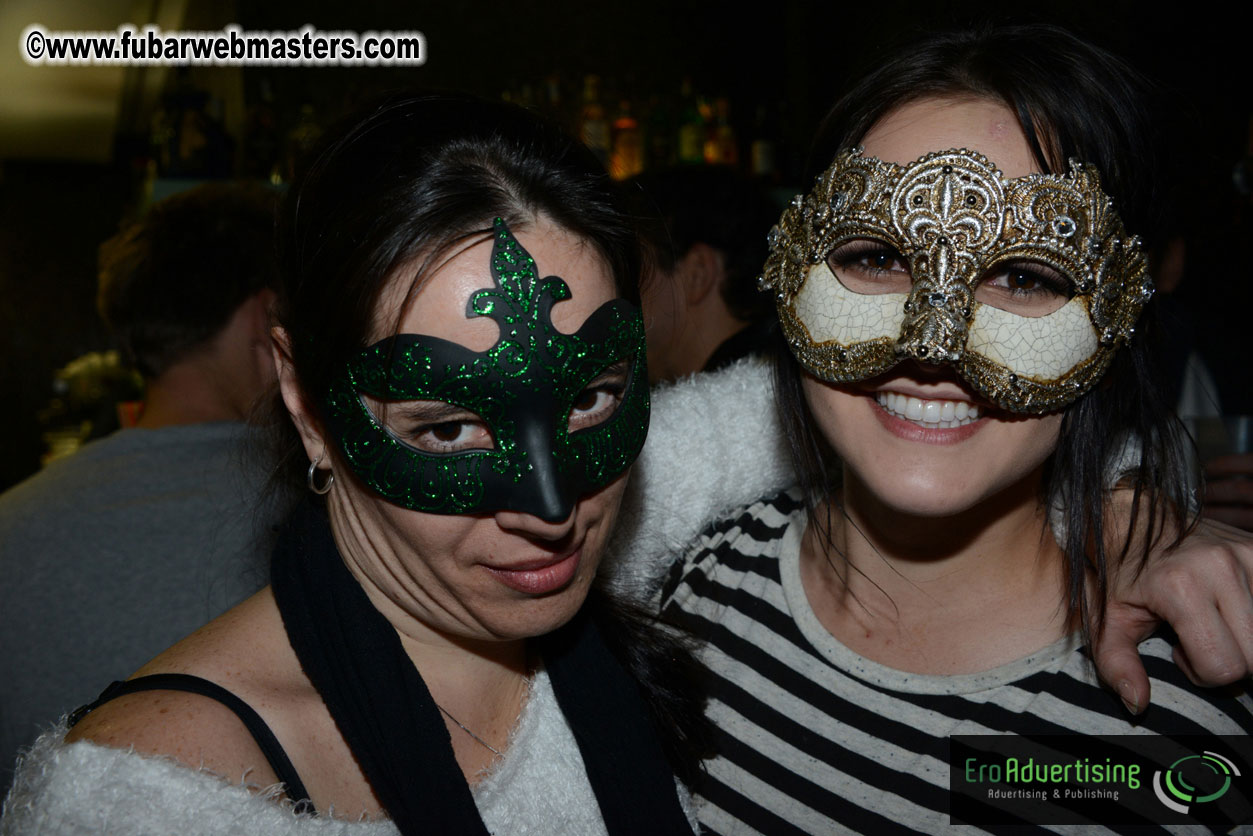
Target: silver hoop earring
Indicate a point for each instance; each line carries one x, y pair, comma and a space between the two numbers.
311, 478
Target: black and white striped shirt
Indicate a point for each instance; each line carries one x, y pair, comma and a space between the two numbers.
817, 739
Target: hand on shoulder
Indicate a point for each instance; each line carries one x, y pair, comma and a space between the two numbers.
1204, 589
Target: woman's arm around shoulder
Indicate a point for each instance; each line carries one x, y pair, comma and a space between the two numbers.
714, 443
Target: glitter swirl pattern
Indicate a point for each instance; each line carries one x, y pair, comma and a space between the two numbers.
523, 388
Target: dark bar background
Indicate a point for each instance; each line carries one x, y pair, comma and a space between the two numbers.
791, 56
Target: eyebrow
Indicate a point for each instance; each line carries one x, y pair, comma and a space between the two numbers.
429, 412
618, 369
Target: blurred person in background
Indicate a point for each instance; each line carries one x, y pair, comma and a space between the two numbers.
1221, 457
706, 231
124, 547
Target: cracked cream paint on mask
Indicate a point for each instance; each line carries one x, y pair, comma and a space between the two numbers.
954, 220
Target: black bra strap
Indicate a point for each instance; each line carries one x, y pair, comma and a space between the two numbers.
261, 733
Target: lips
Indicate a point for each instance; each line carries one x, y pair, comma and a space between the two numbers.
927, 420
539, 577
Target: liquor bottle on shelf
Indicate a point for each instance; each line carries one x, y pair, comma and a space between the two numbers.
593, 123
691, 126
510, 92
659, 134
526, 97
300, 139
721, 147
552, 102
763, 149
189, 140
626, 158
261, 137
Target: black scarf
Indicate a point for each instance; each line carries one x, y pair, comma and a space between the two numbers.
385, 713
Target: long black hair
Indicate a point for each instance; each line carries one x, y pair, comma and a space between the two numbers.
385, 197
1072, 100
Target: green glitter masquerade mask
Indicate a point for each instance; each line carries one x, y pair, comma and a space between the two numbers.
523, 389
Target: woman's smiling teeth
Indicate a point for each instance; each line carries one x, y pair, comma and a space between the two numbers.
941, 414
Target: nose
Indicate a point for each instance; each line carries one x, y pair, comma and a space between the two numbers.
937, 323
544, 491
533, 527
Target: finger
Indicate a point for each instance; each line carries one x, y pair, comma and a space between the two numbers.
1203, 589
1118, 664
1208, 602
1235, 605
1181, 659
1215, 655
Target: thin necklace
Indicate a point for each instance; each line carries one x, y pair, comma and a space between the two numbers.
463, 727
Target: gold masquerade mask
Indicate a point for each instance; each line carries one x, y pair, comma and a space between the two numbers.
1026, 286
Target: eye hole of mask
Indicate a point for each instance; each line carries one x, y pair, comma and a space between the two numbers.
600, 399
438, 427
431, 426
870, 267
1025, 288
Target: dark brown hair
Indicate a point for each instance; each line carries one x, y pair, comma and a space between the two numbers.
170, 282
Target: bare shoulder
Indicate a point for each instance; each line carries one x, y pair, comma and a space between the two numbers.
197, 731
246, 652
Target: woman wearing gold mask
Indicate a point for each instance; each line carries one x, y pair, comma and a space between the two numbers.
966, 314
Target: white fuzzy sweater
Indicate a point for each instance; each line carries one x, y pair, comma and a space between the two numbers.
714, 443
539, 788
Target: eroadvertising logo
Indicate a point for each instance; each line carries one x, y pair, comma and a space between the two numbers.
1194, 779
1102, 780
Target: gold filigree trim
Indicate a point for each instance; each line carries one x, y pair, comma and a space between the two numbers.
953, 216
